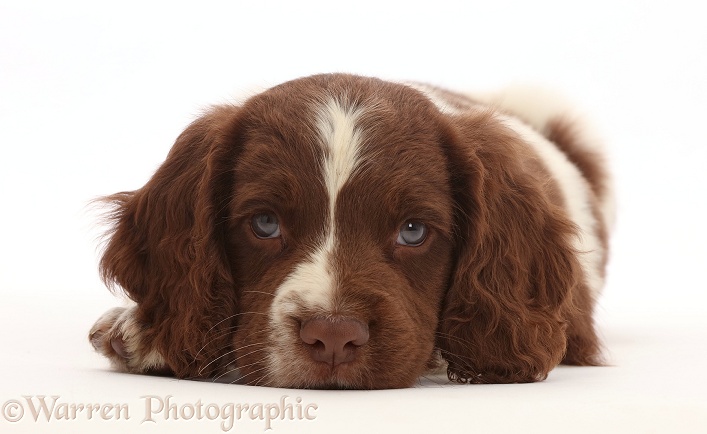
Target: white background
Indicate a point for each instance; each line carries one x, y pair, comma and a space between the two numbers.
92, 95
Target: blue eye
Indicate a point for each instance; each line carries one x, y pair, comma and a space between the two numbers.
265, 225
412, 233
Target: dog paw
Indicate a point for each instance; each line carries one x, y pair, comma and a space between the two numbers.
118, 336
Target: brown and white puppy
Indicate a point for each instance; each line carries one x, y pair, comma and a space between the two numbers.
339, 231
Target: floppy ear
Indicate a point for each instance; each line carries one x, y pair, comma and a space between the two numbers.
503, 318
167, 247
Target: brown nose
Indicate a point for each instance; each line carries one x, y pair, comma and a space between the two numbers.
333, 341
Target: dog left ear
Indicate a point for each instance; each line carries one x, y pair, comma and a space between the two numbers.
167, 248
503, 319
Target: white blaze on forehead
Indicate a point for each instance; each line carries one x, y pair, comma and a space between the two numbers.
340, 139
313, 281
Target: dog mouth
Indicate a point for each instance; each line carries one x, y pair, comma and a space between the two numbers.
304, 373
321, 375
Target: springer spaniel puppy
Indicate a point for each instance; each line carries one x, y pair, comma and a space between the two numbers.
339, 231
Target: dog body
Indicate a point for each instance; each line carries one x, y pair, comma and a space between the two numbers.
339, 231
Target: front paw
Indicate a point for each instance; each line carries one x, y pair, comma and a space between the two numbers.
118, 335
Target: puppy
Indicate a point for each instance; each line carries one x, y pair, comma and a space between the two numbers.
339, 231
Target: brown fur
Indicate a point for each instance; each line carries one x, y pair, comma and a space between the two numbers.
496, 288
507, 310
167, 249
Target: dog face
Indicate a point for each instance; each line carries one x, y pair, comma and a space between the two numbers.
344, 232
312, 240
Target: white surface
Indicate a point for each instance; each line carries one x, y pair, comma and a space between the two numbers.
92, 97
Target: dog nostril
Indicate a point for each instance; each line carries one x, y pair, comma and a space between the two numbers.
334, 341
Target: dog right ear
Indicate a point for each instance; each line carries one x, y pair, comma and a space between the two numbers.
167, 247
504, 317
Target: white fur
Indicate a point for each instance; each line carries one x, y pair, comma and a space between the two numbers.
131, 332
440, 100
311, 284
341, 142
534, 108
577, 196
120, 321
535, 105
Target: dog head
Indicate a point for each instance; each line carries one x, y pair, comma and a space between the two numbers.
344, 232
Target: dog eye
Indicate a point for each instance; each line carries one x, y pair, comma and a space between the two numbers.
265, 225
412, 234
